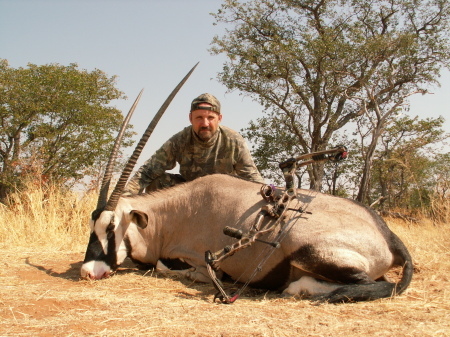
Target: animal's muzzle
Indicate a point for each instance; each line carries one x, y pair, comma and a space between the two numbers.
97, 264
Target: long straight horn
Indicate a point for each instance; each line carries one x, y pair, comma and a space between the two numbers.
101, 203
114, 198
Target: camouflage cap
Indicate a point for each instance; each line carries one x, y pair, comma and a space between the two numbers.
206, 98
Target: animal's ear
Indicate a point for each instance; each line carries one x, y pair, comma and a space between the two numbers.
139, 218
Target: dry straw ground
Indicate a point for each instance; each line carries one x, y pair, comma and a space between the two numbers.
41, 294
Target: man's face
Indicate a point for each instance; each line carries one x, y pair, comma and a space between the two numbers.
205, 122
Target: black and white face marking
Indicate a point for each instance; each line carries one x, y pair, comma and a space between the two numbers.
100, 259
107, 248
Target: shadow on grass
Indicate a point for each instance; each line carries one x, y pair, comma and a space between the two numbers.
71, 274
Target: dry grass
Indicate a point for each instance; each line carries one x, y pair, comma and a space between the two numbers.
41, 294
39, 215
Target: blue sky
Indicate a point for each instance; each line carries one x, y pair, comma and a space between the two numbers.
148, 44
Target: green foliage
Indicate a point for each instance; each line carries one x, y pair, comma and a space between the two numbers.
318, 65
273, 142
404, 172
440, 202
55, 120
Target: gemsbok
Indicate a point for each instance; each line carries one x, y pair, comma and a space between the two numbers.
301, 242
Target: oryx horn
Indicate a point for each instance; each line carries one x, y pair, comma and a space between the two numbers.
101, 203
115, 195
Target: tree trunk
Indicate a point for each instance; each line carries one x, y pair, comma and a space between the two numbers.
3, 192
365, 179
317, 176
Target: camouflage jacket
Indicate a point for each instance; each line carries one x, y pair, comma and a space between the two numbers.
226, 152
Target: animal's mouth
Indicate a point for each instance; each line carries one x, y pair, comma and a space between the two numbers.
97, 270
91, 277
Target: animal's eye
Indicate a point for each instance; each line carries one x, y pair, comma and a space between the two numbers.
110, 227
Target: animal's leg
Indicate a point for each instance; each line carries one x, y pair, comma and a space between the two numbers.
309, 286
346, 282
162, 268
323, 273
198, 274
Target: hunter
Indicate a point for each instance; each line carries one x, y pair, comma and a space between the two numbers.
203, 148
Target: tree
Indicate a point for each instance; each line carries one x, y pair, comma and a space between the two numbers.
403, 173
440, 204
272, 145
318, 65
55, 120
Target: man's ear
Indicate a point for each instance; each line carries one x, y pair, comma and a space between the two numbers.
139, 218
190, 117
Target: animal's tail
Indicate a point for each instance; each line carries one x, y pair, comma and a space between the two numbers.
382, 289
403, 258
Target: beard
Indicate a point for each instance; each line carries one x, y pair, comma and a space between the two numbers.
205, 133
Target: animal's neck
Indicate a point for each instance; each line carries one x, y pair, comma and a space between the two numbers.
167, 209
